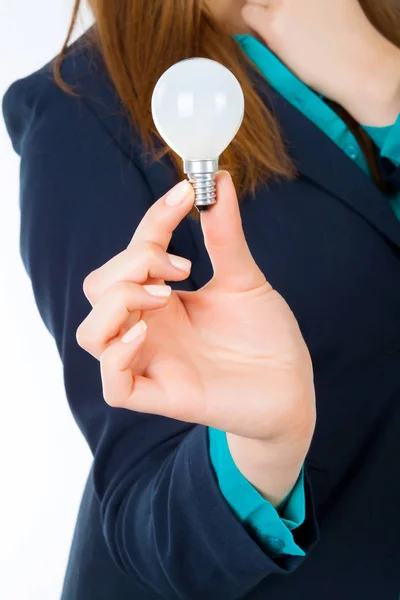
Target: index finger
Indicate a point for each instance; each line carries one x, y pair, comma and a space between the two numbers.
164, 216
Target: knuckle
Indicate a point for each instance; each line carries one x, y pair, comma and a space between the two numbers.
140, 261
88, 339
123, 292
90, 284
152, 253
148, 259
82, 336
109, 361
108, 365
111, 400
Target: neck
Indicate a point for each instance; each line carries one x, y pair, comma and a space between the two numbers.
229, 11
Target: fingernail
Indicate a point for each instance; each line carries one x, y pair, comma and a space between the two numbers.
178, 193
158, 290
134, 332
180, 263
222, 171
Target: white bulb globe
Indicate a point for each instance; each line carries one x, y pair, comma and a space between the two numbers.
198, 107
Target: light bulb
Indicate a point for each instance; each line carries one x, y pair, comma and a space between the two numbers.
198, 108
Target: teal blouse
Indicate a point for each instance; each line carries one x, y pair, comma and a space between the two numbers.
274, 527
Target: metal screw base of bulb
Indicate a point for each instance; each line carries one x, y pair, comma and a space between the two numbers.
201, 174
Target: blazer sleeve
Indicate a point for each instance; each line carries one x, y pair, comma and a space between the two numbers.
275, 528
164, 519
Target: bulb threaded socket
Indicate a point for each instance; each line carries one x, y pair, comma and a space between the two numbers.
204, 189
201, 174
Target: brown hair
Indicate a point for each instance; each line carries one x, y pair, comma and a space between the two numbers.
139, 40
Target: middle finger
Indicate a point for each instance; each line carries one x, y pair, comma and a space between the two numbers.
151, 263
114, 308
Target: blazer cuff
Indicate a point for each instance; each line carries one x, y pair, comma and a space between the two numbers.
271, 526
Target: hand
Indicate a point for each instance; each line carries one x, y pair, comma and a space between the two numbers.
229, 355
334, 49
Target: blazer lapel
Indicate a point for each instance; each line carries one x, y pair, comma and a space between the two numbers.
315, 155
319, 159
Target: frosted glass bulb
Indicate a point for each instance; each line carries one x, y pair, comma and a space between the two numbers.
198, 108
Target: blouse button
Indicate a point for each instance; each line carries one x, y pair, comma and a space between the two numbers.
351, 151
275, 544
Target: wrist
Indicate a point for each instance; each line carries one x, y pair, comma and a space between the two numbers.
271, 468
372, 92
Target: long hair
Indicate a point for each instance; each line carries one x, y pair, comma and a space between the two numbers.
139, 40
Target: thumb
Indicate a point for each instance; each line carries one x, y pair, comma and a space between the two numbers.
235, 269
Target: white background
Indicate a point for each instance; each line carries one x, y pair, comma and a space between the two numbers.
44, 459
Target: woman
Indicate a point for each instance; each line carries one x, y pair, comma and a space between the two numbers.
212, 477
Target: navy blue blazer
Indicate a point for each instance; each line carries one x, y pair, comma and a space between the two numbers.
153, 523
